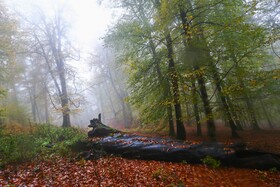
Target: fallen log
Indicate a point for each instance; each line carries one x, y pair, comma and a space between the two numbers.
171, 150
139, 147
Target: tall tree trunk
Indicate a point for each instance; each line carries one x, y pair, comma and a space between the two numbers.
188, 43
236, 117
211, 129
47, 117
55, 40
64, 95
224, 101
266, 115
188, 113
170, 121
110, 99
196, 111
250, 107
247, 98
181, 132
121, 97
166, 88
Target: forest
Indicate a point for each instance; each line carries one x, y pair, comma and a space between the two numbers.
171, 74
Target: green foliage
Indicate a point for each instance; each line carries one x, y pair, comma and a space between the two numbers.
211, 162
3, 94
17, 148
39, 140
160, 174
222, 34
16, 113
273, 170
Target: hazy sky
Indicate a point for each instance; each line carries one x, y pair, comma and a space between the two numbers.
88, 19
88, 23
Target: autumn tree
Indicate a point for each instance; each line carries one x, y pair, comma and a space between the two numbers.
206, 53
147, 72
49, 41
9, 68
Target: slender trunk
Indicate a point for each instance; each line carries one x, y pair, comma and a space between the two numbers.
47, 117
121, 97
166, 88
33, 102
250, 107
101, 103
110, 100
236, 117
247, 98
126, 122
196, 111
129, 114
224, 102
188, 114
181, 133
266, 115
170, 121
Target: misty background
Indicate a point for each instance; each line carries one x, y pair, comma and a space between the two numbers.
141, 63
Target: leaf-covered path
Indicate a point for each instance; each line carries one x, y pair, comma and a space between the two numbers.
116, 171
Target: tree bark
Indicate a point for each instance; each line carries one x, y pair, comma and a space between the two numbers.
196, 111
266, 115
166, 88
181, 132
224, 101
211, 129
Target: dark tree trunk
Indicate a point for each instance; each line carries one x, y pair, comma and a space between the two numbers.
188, 113
186, 40
251, 110
224, 102
64, 95
234, 113
211, 129
170, 121
46, 109
247, 98
55, 41
266, 115
181, 133
196, 111
166, 88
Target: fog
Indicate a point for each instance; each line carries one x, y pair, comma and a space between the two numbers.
149, 64
86, 22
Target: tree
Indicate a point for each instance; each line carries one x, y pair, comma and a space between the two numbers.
49, 41
185, 49
110, 82
8, 67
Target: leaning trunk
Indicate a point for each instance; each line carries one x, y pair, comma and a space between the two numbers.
224, 102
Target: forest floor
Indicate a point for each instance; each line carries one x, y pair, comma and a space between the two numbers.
116, 171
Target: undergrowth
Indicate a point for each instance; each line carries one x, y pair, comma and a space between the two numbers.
22, 143
211, 162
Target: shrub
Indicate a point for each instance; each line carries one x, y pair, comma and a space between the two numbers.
211, 162
19, 146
